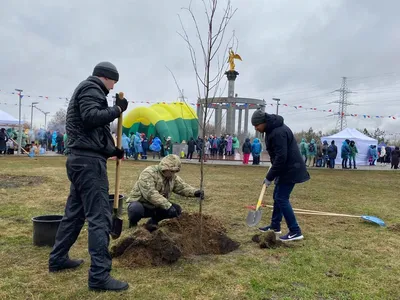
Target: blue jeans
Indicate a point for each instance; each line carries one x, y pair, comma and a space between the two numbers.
283, 208
332, 163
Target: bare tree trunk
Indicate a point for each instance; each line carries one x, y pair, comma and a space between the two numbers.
210, 80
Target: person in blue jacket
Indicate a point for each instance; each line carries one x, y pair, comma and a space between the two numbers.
156, 147
125, 145
137, 142
256, 151
344, 153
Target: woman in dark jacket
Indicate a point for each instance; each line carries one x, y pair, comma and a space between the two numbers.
3, 140
246, 149
332, 154
395, 158
191, 145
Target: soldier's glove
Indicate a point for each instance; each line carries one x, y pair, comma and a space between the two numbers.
199, 193
119, 153
172, 212
121, 103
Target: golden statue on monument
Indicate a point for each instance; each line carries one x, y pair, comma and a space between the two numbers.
231, 59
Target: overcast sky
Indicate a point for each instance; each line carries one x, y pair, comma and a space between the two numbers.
294, 50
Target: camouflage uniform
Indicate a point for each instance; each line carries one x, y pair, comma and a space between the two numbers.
152, 190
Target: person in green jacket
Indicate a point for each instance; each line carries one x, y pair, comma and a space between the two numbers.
303, 149
353, 154
311, 153
235, 145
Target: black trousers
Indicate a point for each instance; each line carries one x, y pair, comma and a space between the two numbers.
256, 159
137, 211
88, 199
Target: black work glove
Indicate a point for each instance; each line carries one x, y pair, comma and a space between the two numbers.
172, 212
121, 103
119, 153
200, 194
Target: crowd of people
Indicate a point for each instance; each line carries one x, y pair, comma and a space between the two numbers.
324, 155
34, 142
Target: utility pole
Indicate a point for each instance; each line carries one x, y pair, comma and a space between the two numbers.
343, 103
32, 106
19, 119
45, 120
182, 97
277, 104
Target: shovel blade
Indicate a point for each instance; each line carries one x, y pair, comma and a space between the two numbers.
375, 220
253, 218
116, 228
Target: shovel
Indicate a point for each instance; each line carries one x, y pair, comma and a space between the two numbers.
254, 217
116, 218
26, 152
300, 211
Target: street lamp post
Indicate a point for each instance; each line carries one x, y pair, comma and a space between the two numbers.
277, 104
32, 106
19, 121
45, 120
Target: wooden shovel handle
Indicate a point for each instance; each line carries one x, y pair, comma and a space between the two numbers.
260, 198
118, 167
316, 212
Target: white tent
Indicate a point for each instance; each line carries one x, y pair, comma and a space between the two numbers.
7, 120
362, 142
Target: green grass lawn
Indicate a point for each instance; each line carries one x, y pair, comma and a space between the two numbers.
340, 258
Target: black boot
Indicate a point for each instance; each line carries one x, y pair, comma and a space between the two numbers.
110, 285
69, 264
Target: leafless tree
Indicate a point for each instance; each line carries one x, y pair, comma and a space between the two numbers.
205, 47
57, 122
208, 66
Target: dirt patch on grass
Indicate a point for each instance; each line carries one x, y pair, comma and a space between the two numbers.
174, 238
15, 181
394, 227
267, 240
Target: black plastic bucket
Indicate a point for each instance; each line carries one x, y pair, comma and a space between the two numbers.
111, 201
45, 229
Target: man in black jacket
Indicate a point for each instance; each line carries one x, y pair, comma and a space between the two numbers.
90, 144
288, 168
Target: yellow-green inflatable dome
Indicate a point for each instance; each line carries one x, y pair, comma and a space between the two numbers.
176, 120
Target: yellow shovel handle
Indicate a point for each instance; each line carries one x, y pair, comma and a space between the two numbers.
260, 198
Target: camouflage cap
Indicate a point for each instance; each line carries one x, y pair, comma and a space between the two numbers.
171, 162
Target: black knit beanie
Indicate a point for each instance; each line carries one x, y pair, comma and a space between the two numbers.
107, 70
258, 117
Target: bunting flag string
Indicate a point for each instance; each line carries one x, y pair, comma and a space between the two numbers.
215, 105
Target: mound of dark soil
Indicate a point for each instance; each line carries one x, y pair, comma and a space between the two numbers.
394, 227
173, 239
267, 240
15, 181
